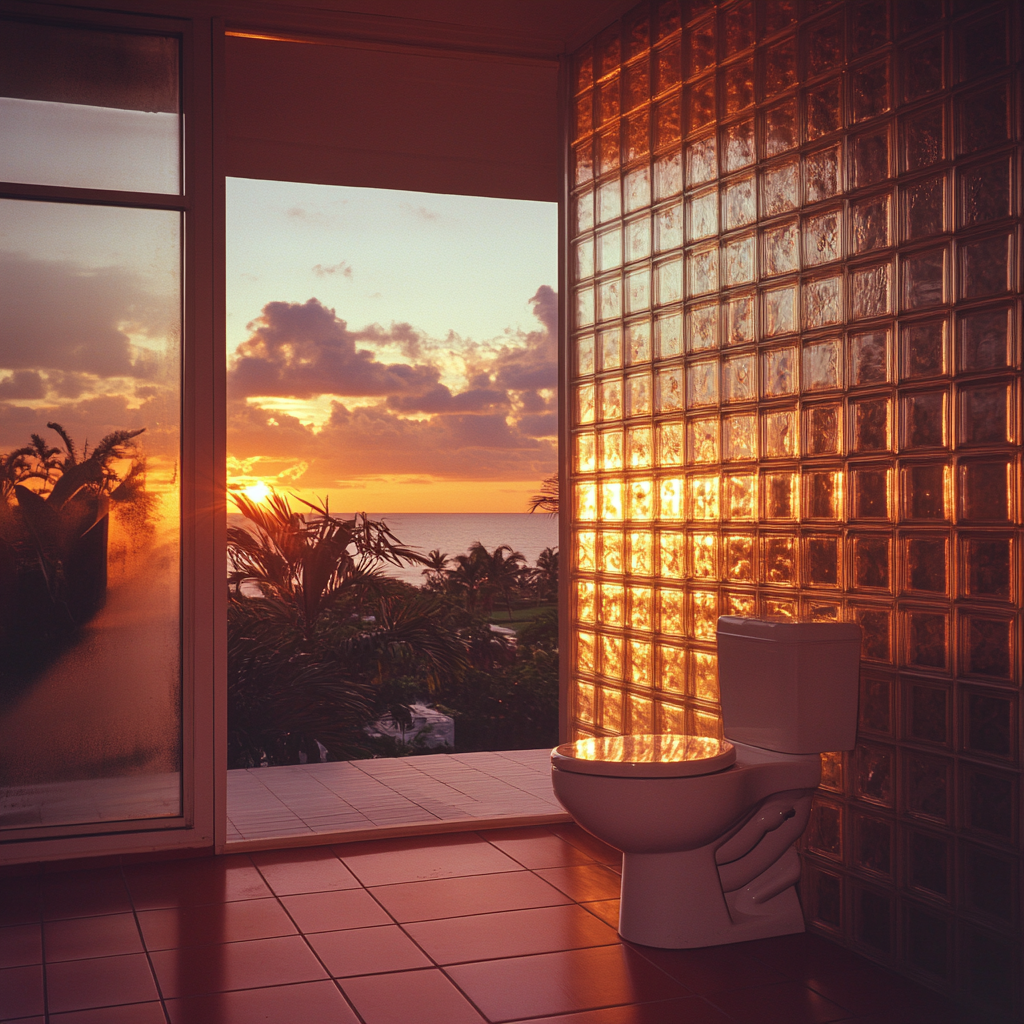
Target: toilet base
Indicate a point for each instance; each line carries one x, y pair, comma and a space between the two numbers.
675, 901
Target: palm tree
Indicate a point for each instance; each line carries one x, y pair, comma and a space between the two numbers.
436, 569
485, 576
545, 576
547, 500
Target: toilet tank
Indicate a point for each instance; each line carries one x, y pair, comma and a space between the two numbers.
789, 686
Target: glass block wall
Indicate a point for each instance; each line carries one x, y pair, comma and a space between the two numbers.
795, 391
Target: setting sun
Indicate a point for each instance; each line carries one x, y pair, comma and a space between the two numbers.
257, 492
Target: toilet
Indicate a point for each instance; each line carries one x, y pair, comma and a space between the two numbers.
707, 826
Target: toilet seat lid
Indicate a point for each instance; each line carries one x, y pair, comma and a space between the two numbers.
645, 756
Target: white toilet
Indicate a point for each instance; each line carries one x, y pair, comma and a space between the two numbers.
707, 827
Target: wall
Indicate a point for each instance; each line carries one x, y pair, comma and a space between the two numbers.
796, 392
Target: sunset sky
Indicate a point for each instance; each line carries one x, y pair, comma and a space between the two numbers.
395, 351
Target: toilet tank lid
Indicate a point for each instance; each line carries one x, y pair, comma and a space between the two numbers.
787, 630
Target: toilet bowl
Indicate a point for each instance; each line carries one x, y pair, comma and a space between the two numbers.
707, 827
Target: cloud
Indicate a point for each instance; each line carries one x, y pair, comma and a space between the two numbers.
24, 384
341, 268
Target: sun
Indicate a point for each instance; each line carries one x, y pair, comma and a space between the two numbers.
257, 492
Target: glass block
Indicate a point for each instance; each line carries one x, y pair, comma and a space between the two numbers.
990, 966
924, 419
585, 461
611, 704
671, 502
780, 495
925, 491
924, 208
927, 639
585, 259
638, 669
586, 598
874, 774
609, 299
926, 564
778, 16
702, 439
609, 249
981, 45
668, 66
700, 99
670, 444
671, 562
825, 829
585, 406
869, 223
641, 551
586, 651
636, 136
739, 437
608, 150
607, 52
738, 557
703, 614
636, 189
823, 429
609, 201
611, 399
822, 236
982, 119
673, 663
670, 389
929, 858
739, 379
822, 45
739, 87
583, 161
671, 719
586, 547
702, 384
985, 266
823, 108
668, 335
984, 339
990, 883
639, 447
869, 357
704, 556
822, 365
781, 249
985, 192
638, 342
985, 414
668, 227
668, 18
584, 306
832, 771
778, 560
780, 128
668, 175
738, 261
702, 327
584, 206
823, 494
702, 213
870, 487
609, 343
641, 714
702, 46
701, 161
636, 86
611, 551
611, 500
922, 139
780, 188
928, 941
739, 28
742, 604
739, 320
739, 496
780, 66
822, 179
612, 604
824, 895
780, 310
702, 271
703, 497
927, 713
738, 148
739, 203
870, 290
991, 803
640, 605
873, 844
870, 424
986, 567
638, 394
779, 371
871, 558
704, 677
922, 69
923, 349
990, 723
668, 281
821, 560
870, 155
928, 782
923, 279
875, 706
586, 702
779, 434
822, 301
987, 647
986, 489
585, 355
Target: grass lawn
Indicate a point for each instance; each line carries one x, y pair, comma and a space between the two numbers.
520, 616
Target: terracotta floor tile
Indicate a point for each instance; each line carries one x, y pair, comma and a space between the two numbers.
803, 957
334, 911
584, 882
318, 1002
85, 937
134, 1013
84, 894
21, 991
106, 981
295, 871
477, 894
689, 1010
537, 848
514, 933
606, 910
199, 970
711, 969
599, 851
21, 945
367, 951
214, 923
412, 860
788, 1003
566, 982
19, 902
867, 989
415, 997
185, 883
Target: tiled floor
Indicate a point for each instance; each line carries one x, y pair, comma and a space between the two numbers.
507, 925
374, 795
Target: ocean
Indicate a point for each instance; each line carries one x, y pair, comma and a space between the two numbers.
452, 533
